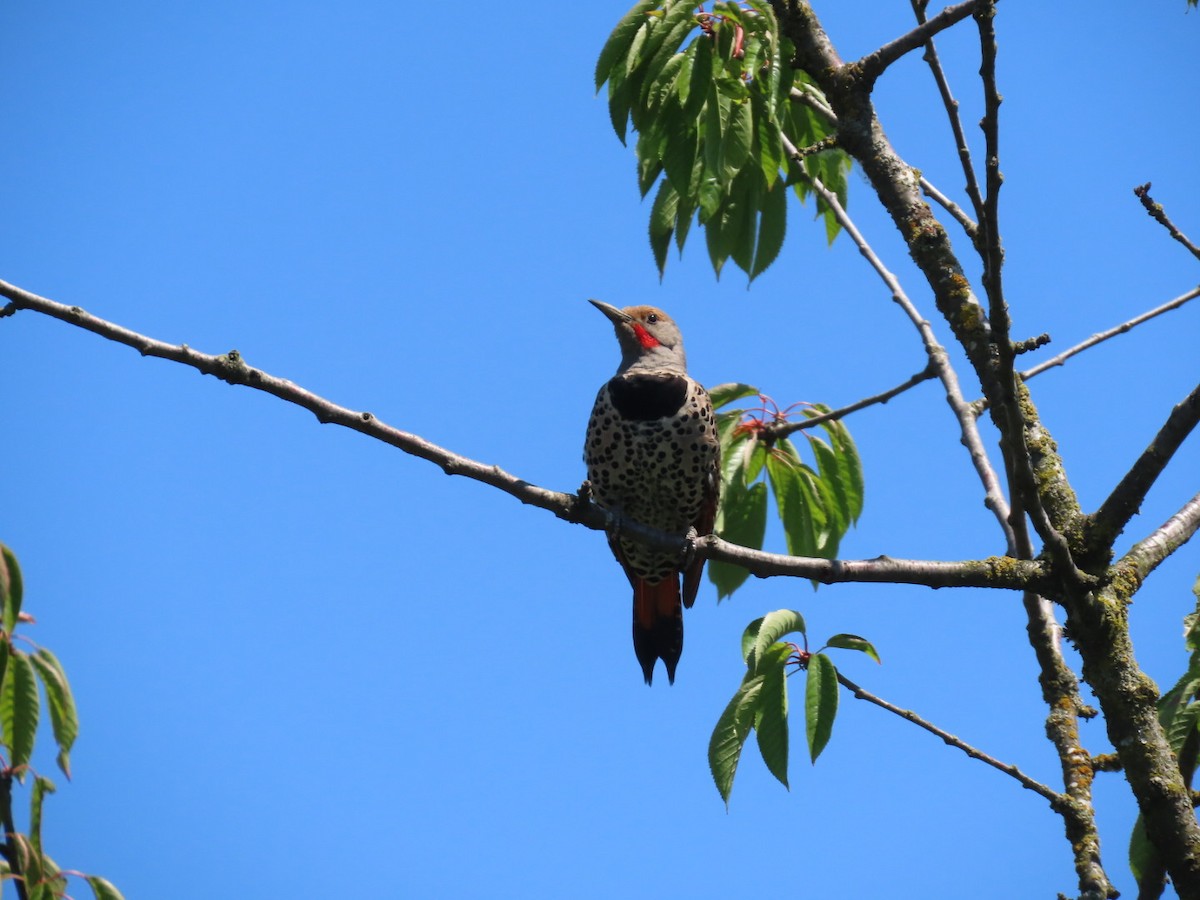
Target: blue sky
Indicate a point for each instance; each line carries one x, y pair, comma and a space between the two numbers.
309, 665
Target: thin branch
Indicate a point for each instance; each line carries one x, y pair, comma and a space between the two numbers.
957, 212
960, 137
938, 358
812, 101
1001, 572
1159, 215
995, 572
1056, 799
1023, 481
782, 430
873, 64
1145, 556
1110, 333
1126, 498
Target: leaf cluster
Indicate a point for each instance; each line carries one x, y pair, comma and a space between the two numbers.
21, 671
711, 97
816, 505
760, 704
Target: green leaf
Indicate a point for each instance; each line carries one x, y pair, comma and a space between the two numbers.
730, 391
770, 720
740, 225
843, 468
743, 517
755, 453
730, 733
103, 889
771, 230
19, 708
713, 129
618, 44
854, 642
662, 223
64, 719
1143, 855
736, 141
41, 787
664, 42
29, 861
766, 632
11, 588
820, 702
793, 501
699, 80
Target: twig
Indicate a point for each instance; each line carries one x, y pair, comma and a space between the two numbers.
1159, 215
873, 64
938, 358
1145, 556
812, 101
956, 212
996, 572
1110, 333
960, 137
1126, 498
782, 430
1056, 799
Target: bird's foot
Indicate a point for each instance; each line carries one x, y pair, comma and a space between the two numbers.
689, 547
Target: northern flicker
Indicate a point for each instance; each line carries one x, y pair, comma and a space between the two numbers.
652, 457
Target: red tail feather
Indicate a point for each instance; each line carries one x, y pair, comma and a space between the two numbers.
657, 624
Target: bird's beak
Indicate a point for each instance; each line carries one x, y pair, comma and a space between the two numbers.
617, 316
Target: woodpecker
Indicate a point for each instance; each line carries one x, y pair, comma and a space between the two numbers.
652, 457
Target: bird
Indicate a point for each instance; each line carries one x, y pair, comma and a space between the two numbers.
653, 457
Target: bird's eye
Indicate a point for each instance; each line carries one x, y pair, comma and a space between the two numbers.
651, 319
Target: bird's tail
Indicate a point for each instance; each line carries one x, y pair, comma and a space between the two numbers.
657, 624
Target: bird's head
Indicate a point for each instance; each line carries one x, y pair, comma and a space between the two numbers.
650, 339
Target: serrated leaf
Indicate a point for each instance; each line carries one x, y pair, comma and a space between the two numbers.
736, 140
744, 522
854, 642
740, 225
754, 453
770, 720
820, 702
730, 733
794, 502
713, 129
29, 861
726, 393
12, 590
41, 787
843, 468
102, 889
767, 631
771, 230
662, 223
19, 708
64, 719
700, 78
714, 241
617, 46
665, 40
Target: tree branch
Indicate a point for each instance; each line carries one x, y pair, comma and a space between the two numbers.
873, 64
938, 358
1126, 498
960, 138
995, 572
1056, 799
1145, 556
956, 212
783, 429
1102, 336
1159, 215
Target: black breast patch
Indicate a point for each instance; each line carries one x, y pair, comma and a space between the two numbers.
644, 397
